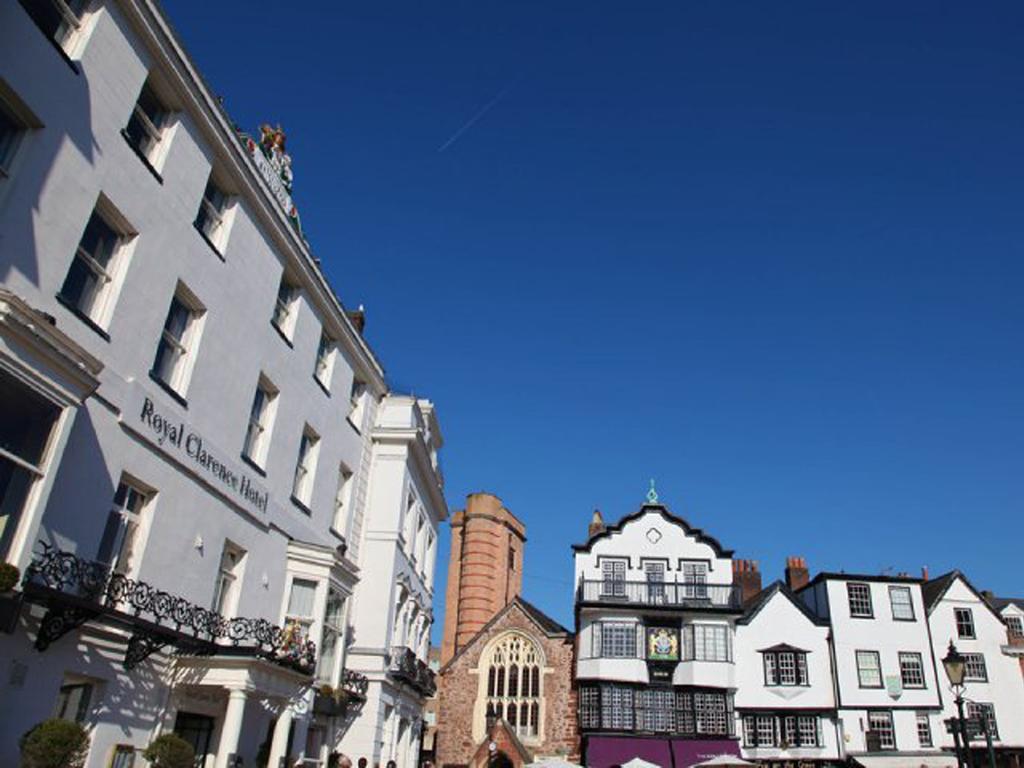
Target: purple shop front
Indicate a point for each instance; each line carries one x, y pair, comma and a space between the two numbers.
609, 751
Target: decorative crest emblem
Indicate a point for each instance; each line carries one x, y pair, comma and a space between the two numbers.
275, 166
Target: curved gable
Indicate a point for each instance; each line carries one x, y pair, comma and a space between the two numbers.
617, 528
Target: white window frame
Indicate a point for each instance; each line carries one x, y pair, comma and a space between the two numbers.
966, 622
924, 729
307, 622
898, 606
883, 716
23, 123
184, 349
357, 402
613, 576
975, 668
865, 597
75, 699
912, 665
129, 540
338, 630
323, 367
695, 579
1014, 624
874, 667
286, 304
305, 466
212, 221
156, 141
228, 587
260, 426
343, 500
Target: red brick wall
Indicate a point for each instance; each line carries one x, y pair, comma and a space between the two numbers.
458, 688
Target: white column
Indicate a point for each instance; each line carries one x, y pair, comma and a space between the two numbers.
232, 727
279, 742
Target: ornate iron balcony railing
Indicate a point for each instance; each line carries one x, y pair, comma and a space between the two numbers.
660, 594
76, 590
405, 666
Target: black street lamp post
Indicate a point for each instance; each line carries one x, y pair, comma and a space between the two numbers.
956, 666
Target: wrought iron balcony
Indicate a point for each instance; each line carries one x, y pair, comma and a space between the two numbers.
405, 666
349, 695
75, 590
660, 594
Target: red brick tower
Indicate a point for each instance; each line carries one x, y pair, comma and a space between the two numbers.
485, 569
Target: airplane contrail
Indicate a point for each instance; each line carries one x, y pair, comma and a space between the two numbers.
474, 119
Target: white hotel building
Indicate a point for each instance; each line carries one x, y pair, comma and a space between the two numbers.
225, 521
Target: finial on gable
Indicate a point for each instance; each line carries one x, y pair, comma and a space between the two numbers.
652, 495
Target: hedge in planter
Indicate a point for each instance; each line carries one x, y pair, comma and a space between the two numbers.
55, 743
169, 751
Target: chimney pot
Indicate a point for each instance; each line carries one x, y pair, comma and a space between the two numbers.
797, 574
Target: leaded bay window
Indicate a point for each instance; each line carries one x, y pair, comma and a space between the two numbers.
147, 125
881, 727
27, 420
859, 595
622, 707
911, 670
305, 466
781, 730
210, 218
89, 285
869, 669
119, 545
616, 639
261, 415
901, 603
175, 352
707, 642
784, 665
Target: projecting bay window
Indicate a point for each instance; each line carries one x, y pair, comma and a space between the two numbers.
59, 20
616, 640
146, 131
305, 467
229, 580
620, 707
211, 218
785, 666
301, 605
90, 286
121, 542
179, 340
330, 645
707, 642
26, 422
261, 419
782, 731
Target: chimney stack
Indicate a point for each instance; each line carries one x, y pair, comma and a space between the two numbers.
746, 574
797, 574
924, 572
596, 524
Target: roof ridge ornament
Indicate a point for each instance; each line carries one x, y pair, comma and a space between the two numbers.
652, 494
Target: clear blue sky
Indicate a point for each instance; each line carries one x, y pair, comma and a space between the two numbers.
768, 253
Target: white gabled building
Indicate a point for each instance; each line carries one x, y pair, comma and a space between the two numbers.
993, 688
887, 683
785, 700
202, 467
656, 611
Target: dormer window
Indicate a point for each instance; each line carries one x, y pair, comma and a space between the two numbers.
785, 665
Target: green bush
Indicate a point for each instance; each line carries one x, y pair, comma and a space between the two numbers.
8, 577
55, 743
169, 751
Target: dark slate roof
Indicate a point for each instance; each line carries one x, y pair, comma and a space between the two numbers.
1001, 602
662, 510
549, 625
760, 600
934, 590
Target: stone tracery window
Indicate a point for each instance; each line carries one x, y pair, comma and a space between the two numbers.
513, 684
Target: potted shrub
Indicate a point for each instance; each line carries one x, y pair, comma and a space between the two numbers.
10, 601
55, 743
169, 751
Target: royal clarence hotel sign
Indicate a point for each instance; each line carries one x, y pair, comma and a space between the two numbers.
174, 437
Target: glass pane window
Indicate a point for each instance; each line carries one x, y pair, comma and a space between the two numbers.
924, 730
225, 594
174, 347
707, 642
73, 701
145, 127
618, 640
57, 19
212, 209
11, 132
859, 595
333, 631
911, 670
985, 712
974, 667
771, 675
880, 723
613, 576
807, 731
869, 669
324, 350
515, 660
1015, 625
119, 543
90, 274
655, 575
766, 731
343, 500
301, 603
695, 579
284, 306
902, 604
787, 668
964, 622
257, 433
305, 466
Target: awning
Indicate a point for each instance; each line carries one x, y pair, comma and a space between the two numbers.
607, 751
689, 752
941, 760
